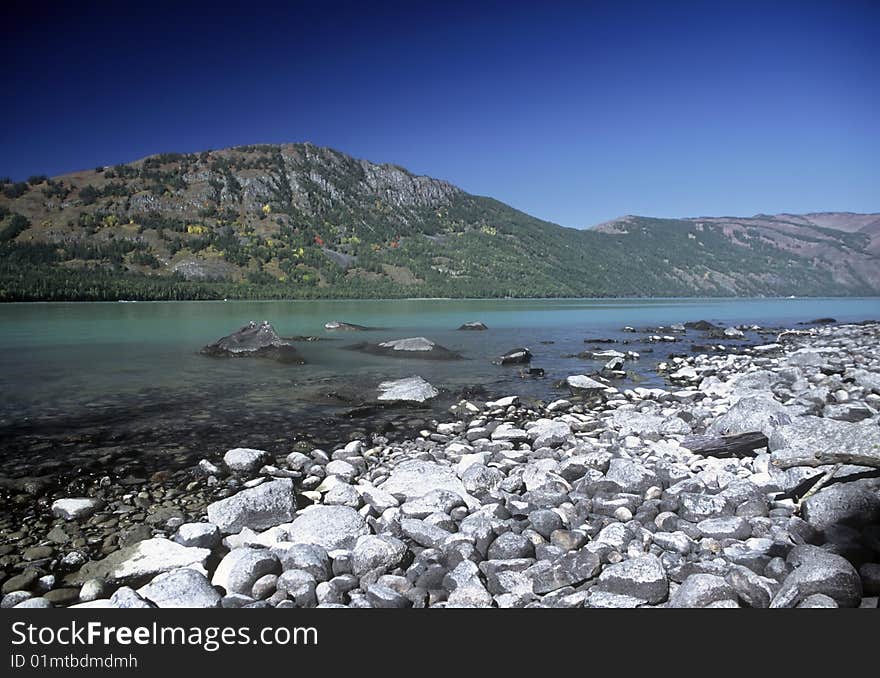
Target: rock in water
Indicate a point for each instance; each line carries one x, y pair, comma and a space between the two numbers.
137, 563
258, 508
581, 384
411, 347
258, 340
338, 325
474, 326
702, 325
245, 459
411, 390
515, 356
75, 507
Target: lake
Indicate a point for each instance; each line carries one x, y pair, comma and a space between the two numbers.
107, 381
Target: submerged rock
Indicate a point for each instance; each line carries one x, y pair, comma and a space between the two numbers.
245, 459
411, 347
410, 389
702, 325
338, 325
580, 384
75, 507
473, 325
257, 340
515, 356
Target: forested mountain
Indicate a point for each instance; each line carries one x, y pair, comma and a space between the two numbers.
300, 221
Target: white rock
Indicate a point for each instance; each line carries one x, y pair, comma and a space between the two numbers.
181, 588
411, 389
73, 508
258, 508
245, 459
144, 559
333, 527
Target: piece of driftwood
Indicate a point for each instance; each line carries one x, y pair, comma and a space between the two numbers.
740, 445
819, 484
809, 486
789, 458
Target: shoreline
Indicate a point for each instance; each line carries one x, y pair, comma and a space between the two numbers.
592, 500
350, 299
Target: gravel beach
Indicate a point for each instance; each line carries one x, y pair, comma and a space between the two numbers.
737, 485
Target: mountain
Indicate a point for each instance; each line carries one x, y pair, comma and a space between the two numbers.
301, 221
842, 245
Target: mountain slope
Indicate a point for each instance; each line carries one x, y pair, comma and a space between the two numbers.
300, 221
843, 245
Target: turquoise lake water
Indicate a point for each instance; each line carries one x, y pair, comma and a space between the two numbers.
113, 366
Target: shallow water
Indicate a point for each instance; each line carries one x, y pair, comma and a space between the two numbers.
128, 375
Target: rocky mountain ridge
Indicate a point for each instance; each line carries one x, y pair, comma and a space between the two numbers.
302, 221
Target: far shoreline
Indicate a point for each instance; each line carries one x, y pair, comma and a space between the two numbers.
383, 299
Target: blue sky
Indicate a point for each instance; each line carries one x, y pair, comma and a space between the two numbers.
574, 112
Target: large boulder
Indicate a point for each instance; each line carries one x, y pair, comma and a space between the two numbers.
257, 508
332, 527
870, 381
181, 588
415, 478
568, 570
759, 412
141, 561
750, 382
647, 424
474, 325
255, 340
241, 568
549, 433
807, 436
855, 503
818, 571
643, 578
701, 590
372, 551
631, 476
408, 390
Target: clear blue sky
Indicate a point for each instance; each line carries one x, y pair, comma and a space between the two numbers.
573, 112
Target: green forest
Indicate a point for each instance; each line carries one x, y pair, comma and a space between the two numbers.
302, 222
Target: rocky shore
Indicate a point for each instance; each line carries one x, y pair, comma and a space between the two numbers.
711, 492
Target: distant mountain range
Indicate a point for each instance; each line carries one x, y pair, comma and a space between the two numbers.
301, 221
